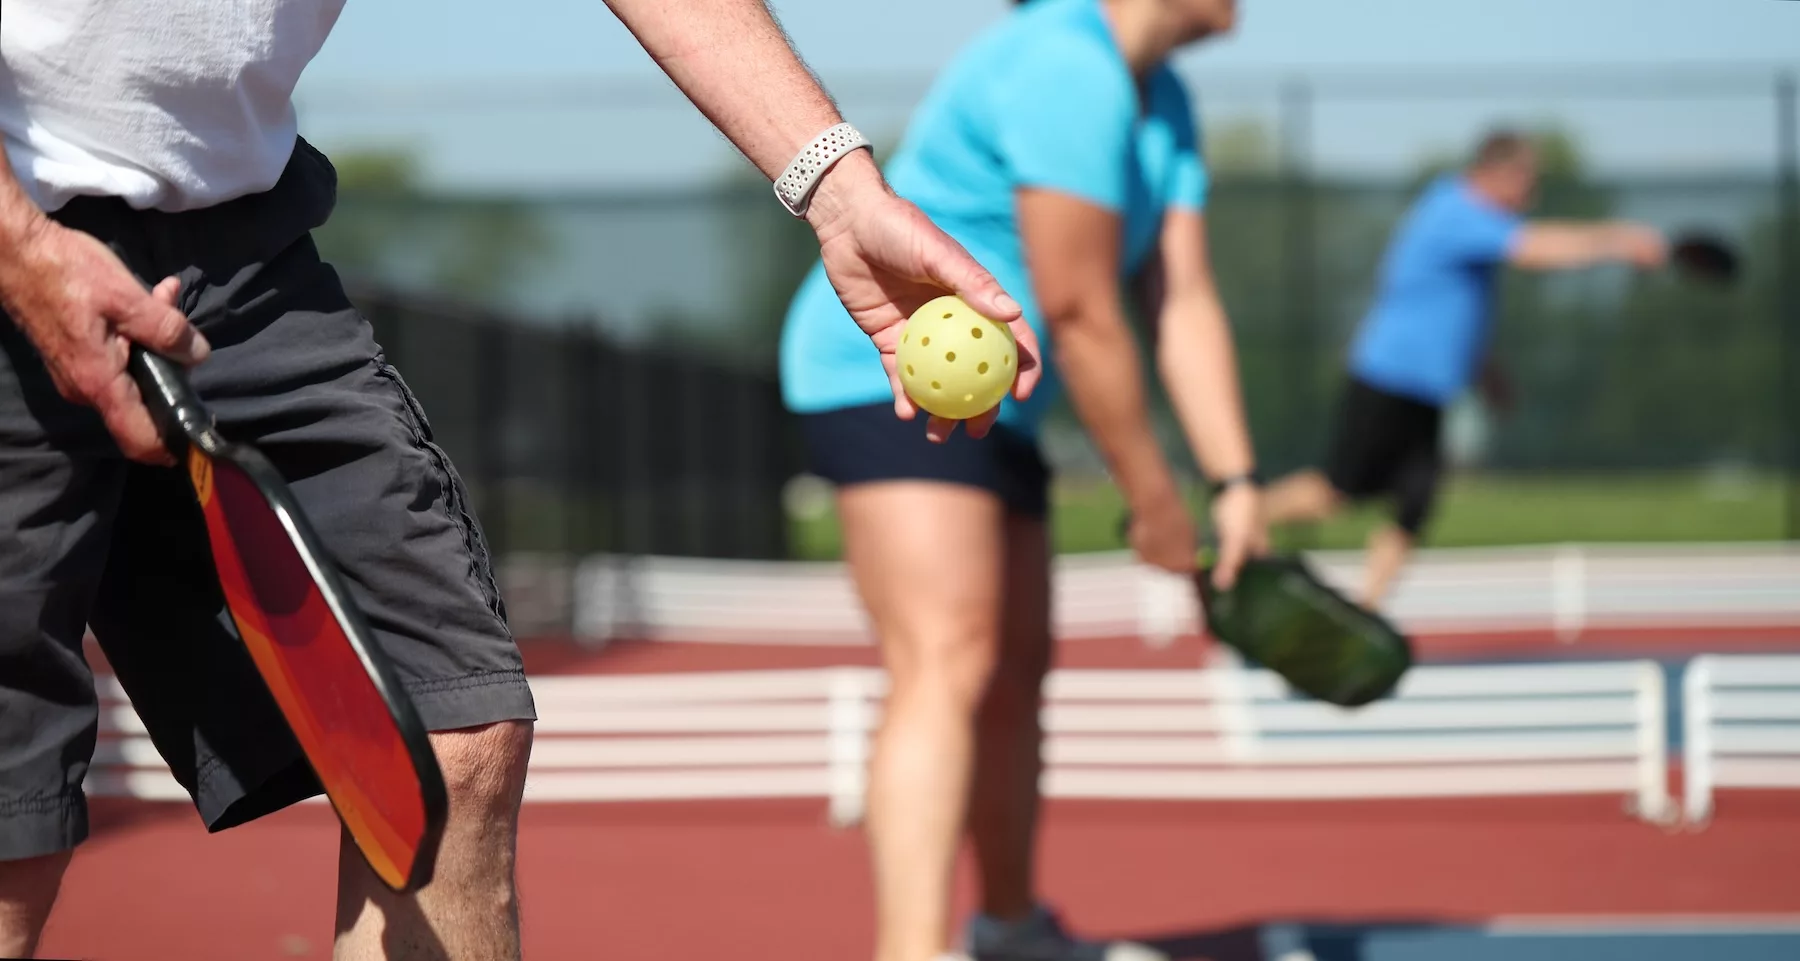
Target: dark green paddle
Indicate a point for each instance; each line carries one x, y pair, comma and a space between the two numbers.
1282, 616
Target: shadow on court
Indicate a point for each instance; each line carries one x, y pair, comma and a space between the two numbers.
1240, 943
1262, 942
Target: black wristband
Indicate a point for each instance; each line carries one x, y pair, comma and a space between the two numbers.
1224, 484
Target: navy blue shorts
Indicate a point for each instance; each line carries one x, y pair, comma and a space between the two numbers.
856, 445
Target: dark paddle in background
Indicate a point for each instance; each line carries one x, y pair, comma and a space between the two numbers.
1705, 257
1280, 615
337, 690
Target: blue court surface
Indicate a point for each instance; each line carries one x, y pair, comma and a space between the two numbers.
1541, 939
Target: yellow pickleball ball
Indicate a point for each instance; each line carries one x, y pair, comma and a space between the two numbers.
954, 362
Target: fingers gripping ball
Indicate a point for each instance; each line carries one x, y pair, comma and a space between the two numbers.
954, 362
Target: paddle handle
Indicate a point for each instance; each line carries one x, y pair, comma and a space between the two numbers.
176, 410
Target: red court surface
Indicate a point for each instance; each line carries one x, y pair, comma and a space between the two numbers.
769, 880
756, 881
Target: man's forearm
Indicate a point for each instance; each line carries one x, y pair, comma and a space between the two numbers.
732, 60
1563, 245
1098, 360
1198, 364
19, 217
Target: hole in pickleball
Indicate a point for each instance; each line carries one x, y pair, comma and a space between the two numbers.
948, 316
981, 368
1006, 361
936, 386
909, 370
906, 337
924, 341
975, 332
950, 356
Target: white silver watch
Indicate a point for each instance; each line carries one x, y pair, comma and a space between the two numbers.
794, 188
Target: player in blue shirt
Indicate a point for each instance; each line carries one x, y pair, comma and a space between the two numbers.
1060, 150
1424, 340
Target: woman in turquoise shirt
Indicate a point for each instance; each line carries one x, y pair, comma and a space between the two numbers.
1060, 149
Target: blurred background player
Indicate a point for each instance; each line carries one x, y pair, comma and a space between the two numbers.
1060, 149
1425, 340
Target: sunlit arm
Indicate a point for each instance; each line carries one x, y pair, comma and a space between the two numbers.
1565, 245
1072, 250
1195, 355
19, 217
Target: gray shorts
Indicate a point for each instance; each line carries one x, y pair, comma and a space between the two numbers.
87, 538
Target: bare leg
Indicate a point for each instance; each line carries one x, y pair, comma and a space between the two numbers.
27, 891
927, 561
1301, 496
1003, 807
1389, 546
470, 910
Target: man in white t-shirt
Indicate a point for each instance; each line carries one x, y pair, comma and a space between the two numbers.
155, 191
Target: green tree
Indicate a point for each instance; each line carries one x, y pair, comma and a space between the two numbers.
389, 229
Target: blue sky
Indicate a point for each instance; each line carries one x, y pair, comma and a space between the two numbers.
402, 72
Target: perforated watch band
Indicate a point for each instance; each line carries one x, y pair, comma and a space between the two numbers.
794, 188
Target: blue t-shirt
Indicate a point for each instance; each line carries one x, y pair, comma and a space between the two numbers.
1045, 100
1425, 335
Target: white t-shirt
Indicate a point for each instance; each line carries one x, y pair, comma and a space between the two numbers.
168, 104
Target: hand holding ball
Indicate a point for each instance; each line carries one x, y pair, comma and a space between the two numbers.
955, 363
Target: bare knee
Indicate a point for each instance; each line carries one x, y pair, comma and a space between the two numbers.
28, 890
951, 657
470, 909
484, 775
484, 771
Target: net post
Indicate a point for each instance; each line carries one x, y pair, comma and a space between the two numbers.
1787, 279
1227, 687
1161, 600
1653, 801
1696, 741
1568, 574
847, 743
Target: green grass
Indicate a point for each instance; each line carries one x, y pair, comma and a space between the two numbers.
1473, 510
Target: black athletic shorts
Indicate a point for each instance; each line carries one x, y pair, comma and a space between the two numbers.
87, 538
1387, 445
868, 443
